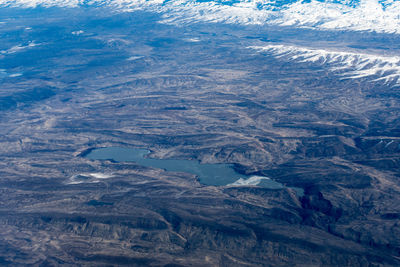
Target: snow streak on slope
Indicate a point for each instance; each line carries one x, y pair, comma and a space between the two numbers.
17, 48
350, 64
254, 180
360, 15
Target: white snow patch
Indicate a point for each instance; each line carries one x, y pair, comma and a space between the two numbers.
99, 175
192, 40
18, 48
88, 178
134, 58
4, 73
253, 180
15, 75
77, 32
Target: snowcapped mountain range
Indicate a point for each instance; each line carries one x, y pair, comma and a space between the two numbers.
349, 64
360, 15
380, 17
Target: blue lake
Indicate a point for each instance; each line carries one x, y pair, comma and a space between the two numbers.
208, 174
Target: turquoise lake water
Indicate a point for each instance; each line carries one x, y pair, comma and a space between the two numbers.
208, 174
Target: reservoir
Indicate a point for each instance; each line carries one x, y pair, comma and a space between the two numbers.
208, 174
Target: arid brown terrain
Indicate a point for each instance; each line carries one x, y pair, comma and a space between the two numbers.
131, 82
